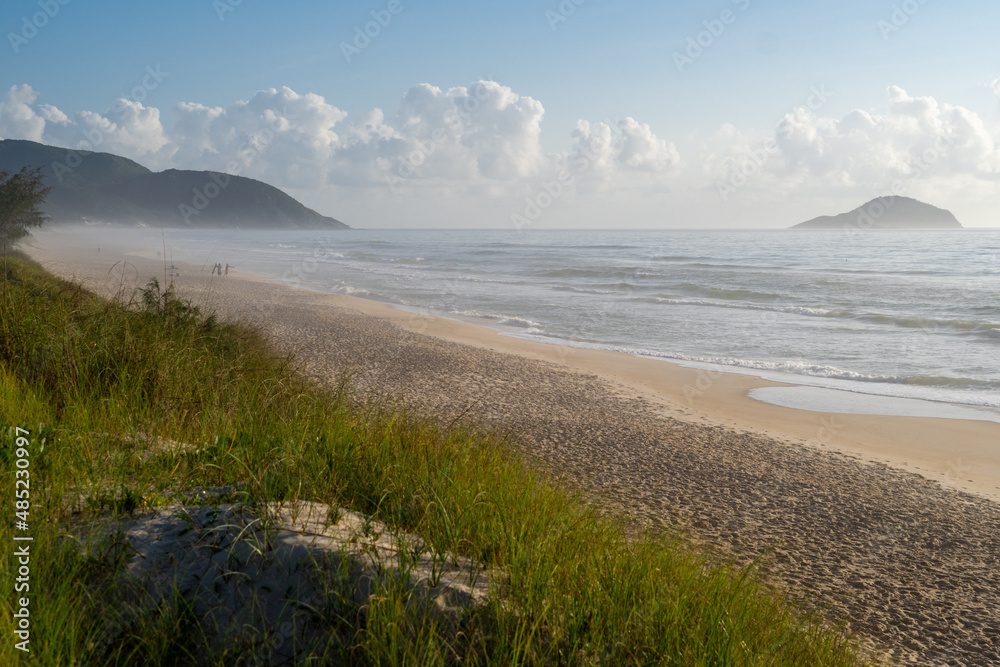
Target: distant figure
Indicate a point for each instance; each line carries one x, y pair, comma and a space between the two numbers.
227, 268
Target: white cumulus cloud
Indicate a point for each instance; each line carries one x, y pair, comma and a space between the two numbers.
482, 131
277, 135
19, 120
918, 144
484, 141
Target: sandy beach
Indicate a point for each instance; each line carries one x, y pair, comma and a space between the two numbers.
891, 524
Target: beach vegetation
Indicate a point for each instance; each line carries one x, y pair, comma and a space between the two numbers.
21, 197
96, 383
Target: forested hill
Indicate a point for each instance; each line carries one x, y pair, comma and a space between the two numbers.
101, 187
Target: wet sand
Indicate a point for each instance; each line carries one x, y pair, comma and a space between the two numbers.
833, 500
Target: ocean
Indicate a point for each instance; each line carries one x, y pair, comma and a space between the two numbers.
906, 314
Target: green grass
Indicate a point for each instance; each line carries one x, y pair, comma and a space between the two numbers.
92, 380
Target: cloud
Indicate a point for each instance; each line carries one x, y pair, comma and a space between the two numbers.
484, 140
916, 137
481, 132
277, 135
128, 128
624, 156
917, 142
466, 138
18, 120
484, 131
627, 146
640, 149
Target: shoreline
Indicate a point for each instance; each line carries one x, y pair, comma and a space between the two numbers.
959, 454
911, 444
907, 563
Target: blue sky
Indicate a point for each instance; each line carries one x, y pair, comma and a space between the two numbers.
666, 142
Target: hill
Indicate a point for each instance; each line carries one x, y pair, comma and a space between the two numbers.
892, 212
89, 186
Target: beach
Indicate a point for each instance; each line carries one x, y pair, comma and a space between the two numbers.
889, 523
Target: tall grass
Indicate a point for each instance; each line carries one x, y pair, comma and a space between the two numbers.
131, 399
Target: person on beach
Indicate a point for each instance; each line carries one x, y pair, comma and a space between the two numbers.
227, 268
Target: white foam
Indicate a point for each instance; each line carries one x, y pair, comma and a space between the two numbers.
822, 399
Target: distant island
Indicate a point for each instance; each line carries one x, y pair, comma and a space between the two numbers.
101, 187
891, 212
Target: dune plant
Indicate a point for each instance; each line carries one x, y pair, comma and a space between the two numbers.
133, 402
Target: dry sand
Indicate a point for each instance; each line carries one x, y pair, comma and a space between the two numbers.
908, 562
245, 570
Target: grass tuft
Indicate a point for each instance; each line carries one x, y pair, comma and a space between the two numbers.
136, 400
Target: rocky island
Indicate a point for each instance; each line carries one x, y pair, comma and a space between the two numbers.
890, 212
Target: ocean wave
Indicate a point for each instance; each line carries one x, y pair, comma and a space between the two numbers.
794, 310
728, 294
800, 368
733, 267
929, 325
572, 272
832, 372
353, 291
613, 288
597, 277
509, 320
416, 275
615, 246
680, 258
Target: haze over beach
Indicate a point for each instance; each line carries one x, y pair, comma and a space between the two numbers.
480, 333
